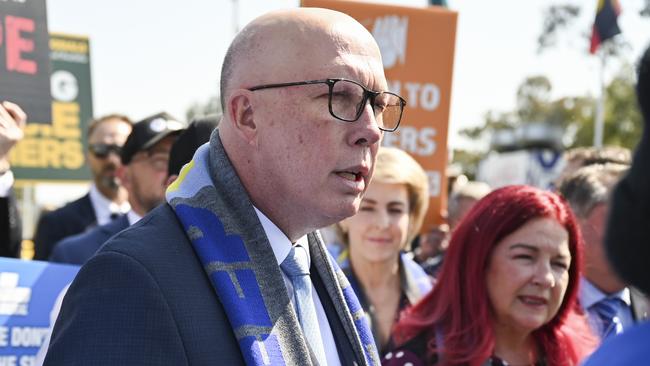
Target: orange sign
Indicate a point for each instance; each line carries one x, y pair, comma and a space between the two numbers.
417, 48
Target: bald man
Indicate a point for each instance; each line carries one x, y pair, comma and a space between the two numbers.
232, 271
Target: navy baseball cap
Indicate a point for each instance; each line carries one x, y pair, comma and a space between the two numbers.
148, 132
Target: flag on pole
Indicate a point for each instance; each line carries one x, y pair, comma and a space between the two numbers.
605, 25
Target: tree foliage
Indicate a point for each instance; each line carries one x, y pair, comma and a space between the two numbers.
557, 18
574, 114
202, 109
563, 20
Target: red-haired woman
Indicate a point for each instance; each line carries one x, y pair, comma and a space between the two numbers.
506, 294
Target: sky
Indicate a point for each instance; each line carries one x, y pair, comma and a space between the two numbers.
154, 55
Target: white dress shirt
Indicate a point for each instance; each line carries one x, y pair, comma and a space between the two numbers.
590, 295
281, 245
104, 207
6, 182
133, 217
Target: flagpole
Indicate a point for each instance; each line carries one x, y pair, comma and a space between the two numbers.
235, 15
600, 106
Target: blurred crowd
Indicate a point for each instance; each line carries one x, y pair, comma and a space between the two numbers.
516, 275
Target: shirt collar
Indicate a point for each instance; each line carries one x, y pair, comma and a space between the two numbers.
133, 217
104, 207
590, 294
280, 244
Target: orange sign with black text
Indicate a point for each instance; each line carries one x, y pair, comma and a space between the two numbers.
417, 48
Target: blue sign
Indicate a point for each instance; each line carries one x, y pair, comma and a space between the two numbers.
28, 291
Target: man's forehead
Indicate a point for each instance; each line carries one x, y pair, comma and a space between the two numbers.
111, 128
325, 61
311, 48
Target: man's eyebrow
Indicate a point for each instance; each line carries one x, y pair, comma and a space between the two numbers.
368, 200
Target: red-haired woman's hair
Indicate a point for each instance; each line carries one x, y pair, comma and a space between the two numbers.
458, 308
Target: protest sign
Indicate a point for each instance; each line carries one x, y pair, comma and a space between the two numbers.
417, 47
24, 57
56, 152
28, 291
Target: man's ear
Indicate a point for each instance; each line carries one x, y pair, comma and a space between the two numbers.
170, 180
124, 176
242, 116
343, 226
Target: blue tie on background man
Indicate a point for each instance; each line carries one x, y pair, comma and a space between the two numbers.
607, 312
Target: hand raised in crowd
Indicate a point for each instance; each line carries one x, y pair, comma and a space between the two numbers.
12, 124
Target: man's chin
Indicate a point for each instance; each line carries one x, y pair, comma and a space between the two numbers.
346, 209
111, 183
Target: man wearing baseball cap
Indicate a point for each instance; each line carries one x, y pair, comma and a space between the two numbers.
144, 156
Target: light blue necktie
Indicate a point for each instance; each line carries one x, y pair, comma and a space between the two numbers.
296, 267
606, 310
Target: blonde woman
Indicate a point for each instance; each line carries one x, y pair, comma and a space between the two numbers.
391, 214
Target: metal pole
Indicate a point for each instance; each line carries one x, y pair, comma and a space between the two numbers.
600, 107
235, 15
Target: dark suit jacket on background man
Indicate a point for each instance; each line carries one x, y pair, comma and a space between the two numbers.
10, 227
78, 248
73, 218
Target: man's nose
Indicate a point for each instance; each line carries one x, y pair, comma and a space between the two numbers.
114, 157
365, 131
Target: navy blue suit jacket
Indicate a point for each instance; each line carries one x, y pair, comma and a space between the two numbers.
77, 249
131, 305
73, 218
10, 227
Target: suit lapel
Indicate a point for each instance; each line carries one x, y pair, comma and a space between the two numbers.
640, 305
334, 282
343, 345
86, 211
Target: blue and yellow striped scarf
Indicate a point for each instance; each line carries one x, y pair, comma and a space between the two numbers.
219, 220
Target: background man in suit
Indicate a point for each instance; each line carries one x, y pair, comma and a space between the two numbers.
208, 278
627, 238
12, 123
143, 173
610, 304
106, 199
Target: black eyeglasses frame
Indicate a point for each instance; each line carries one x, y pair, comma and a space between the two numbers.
368, 94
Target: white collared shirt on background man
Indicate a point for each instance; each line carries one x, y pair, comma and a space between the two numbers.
133, 217
590, 295
104, 207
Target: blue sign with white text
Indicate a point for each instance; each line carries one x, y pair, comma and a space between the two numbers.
28, 291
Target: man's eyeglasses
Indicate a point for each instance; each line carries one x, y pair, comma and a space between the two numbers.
347, 99
103, 150
157, 160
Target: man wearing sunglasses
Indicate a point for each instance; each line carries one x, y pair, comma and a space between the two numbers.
232, 270
106, 198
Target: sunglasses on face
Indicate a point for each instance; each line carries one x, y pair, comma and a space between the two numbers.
103, 150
